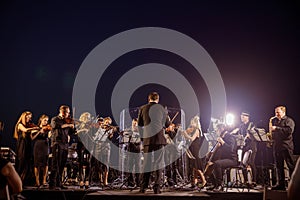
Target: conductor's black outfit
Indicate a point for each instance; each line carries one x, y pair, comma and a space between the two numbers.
153, 118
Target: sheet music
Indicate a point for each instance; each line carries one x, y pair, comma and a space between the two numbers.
260, 135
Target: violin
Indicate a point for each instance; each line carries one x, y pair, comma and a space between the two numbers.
31, 125
47, 127
69, 120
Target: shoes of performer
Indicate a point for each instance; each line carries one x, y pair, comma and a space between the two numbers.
279, 187
156, 189
201, 185
63, 187
210, 187
219, 188
192, 186
51, 187
54, 188
142, 190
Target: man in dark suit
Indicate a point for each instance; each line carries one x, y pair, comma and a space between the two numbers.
152, 119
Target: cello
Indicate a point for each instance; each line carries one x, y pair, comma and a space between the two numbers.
211, 155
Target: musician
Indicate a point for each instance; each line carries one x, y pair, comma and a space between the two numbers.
282, 128
246, 129
134, 158
9, 176
22, 132
61, 129
41, 150
171, 155
227, 150
102, 149
85, 129
152, 118
195, 137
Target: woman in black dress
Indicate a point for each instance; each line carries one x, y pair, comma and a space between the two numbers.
195, 137
41, 150
22, 133
85, 130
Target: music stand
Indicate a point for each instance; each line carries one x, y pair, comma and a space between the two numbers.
260, 135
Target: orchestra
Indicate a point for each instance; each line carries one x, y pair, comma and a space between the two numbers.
77, 152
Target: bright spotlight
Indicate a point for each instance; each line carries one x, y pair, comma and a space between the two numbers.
229, 119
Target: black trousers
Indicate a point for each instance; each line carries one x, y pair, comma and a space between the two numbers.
59, 160
219, 167
156, 166
281, 156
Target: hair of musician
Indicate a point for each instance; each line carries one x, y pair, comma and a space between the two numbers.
43, 116
196, 121
283, 108
63, 107
153, 96
22, 120
221, 126
84, 117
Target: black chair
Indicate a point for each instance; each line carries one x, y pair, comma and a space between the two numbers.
239, 181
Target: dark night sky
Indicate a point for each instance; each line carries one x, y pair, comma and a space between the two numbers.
255, 45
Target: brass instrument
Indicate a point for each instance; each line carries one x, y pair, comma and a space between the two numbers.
270, 134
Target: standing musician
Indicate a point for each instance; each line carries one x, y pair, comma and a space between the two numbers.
85, 129
246, 129
172, 154
227, 149
22, 132
62, 127
195, 136
134, 159
102, 149
282, 129
41, 150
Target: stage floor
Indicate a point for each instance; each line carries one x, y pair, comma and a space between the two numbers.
75, 193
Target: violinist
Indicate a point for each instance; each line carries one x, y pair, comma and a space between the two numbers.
194, 135
102, 149
227, 149
85, 140
134, 158
41, 150
22, 133
172, 154
61, 131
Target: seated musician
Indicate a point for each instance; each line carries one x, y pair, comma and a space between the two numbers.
9, 176
226, 149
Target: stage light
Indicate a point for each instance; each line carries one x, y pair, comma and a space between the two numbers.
229, 119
